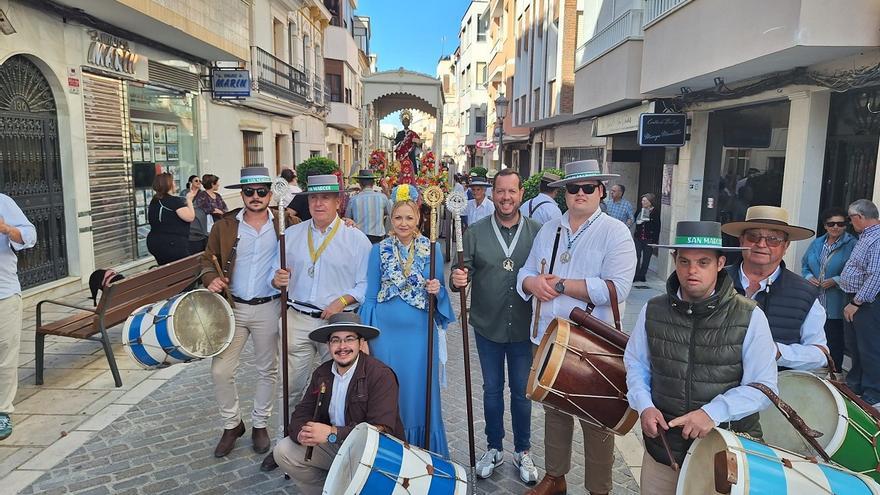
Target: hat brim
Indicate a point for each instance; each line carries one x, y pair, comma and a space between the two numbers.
699, 246
322, 334
239, 186
794, 232
307, 193
480, 184
600, 178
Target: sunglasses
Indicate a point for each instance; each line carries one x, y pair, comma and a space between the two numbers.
771, 240
261, 191
586, 188
835, 224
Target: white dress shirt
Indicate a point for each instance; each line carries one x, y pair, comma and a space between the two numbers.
340, 393
758, 362
805, 355
604, 252
341, 269
12, 215
541, 214
475, 212
254, 259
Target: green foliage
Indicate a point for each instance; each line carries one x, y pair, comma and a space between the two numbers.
316, 165
531, 187
481, 171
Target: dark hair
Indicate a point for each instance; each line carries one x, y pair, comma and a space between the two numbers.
365, 183
622, 189
288, 174
650, 197
834, 211
545, 187
208, 180
190, 179
163, 184
509, 171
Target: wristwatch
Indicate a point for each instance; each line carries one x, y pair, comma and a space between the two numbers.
331, 438
560, 286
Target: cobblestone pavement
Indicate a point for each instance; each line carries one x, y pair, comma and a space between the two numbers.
164, 444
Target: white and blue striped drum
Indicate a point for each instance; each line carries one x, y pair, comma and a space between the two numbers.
726, 463
373, 463
189, 326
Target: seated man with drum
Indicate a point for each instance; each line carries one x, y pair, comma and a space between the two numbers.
350, 389
797, 318
692, 353
245, 242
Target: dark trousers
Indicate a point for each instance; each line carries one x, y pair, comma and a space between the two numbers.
836, 342
864, 377
519, 360
197, 246
167, 248
644, 253
376, 239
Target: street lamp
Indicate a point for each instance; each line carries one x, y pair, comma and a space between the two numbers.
500, 112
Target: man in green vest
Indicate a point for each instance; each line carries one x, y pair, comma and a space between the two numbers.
692, 354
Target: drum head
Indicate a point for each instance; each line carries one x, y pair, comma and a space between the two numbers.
349, 470
547, 360
698, 470
820, 406
203, 323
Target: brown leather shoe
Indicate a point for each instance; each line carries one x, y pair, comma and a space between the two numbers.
260, 437
227, 441
269, 463
549, 485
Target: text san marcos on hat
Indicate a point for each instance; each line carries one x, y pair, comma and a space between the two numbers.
322, 184
770, 218
698, 235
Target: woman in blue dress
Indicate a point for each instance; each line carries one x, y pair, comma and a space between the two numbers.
397, 303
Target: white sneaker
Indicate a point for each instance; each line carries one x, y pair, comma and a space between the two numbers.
528, 473
488, 462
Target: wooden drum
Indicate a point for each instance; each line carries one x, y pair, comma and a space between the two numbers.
580, 373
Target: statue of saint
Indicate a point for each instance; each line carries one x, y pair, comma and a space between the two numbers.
406, 144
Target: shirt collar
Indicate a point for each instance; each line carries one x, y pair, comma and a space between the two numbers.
567, 225
349, 373
744, 280
316, 230
240, 215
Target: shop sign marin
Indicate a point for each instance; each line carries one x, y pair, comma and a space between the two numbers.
228, 83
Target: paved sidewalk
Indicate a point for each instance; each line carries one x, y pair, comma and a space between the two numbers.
79, 434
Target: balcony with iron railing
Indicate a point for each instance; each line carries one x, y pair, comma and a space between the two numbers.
655, 9
318, 97
278, 78
626, 27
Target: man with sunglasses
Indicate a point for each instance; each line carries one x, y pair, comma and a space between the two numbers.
584, 248
245, 242
349, 389
791, 303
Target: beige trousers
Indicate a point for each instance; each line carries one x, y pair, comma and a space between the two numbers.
309, 476
657, 478
10, 345
303, 356
260, 322
598, 450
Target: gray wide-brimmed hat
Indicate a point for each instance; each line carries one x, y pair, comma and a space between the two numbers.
582, 170
698, 235
479, 180
347, 322
251, 176
326, 184
364, 174
548, 178
768, 217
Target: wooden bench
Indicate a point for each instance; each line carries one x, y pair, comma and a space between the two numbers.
118, 301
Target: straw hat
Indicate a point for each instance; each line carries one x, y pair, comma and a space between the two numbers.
767, 217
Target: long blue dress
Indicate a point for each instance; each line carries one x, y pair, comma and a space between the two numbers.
403, 344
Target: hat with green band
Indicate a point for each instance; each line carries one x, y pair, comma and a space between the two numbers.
582, 170
251, 176
698, 235
322, 184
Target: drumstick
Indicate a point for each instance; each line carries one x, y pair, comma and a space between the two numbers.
310, 448
538, 305
673, 464
220, 271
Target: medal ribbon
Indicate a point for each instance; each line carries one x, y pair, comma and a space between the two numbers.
406, 266
507, 250
569, 241
317, 254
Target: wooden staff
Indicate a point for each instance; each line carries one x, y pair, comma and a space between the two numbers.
282, 190
222, 275
456, 203
538, 304
433, 198
310, 448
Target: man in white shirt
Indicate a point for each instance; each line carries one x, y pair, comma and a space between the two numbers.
797, 318
480, 207
327, 274
592, 248
543, 208
349, 389
693, 353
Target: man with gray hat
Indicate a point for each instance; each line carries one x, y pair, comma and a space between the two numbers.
245, 242
349, 389
543, 208
693, 353
480, 207
326, 274
369, 208
584, 248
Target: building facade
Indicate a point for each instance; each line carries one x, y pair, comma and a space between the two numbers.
472, 72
